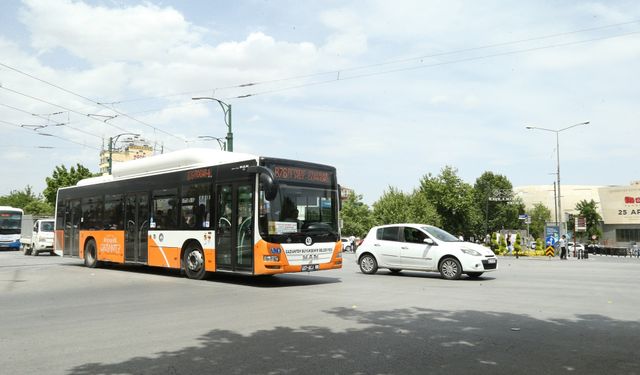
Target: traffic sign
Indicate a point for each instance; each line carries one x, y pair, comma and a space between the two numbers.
523, 217
550, 251
551, 240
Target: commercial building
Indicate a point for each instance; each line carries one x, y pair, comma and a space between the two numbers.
619, 207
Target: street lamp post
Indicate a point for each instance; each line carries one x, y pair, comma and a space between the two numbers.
557, 131
112, 141
226, 108
221, 143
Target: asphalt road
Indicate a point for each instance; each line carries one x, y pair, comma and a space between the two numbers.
532, 316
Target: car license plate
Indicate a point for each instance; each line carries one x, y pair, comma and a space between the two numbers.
491, 260
310, 267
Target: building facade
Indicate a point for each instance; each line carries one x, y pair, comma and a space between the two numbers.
129, 149
619, 207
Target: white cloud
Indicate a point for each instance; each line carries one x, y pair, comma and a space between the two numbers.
100, 34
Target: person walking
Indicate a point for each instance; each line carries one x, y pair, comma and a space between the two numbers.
563, 247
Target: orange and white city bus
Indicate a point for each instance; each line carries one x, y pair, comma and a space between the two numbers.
202, 211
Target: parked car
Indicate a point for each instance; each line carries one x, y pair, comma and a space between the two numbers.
346, 244
422, 247
574, 249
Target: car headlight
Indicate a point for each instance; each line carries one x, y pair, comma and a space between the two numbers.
471, 252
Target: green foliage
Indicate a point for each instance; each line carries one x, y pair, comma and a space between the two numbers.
589, 210
453, 200
539, 215
494, 241
28, 201
503, 245
392, 207
517, 247
356, 216
62, 177
539, 244
496, 214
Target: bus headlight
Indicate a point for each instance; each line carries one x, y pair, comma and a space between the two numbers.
271, 258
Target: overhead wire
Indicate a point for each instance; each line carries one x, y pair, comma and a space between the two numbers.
7, 123
374, 65
90, 100
66, 125
424, 66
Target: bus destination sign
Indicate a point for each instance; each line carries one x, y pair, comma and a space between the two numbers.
301, 174
197, 174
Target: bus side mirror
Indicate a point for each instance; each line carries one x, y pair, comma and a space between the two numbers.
267, 179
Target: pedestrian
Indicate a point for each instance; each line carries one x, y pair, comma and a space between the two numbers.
563, 247
509, 243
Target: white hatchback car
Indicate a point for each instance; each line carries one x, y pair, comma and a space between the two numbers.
423, 247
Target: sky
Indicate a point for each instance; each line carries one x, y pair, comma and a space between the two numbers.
387, 92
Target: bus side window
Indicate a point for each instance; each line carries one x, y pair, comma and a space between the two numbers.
165, 208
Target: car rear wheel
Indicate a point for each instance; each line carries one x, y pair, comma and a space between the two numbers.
450, 269
368, 264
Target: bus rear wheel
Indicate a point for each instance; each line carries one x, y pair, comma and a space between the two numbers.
193, 261
90, 254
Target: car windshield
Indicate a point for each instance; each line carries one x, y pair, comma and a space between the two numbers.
47, 226
440, 234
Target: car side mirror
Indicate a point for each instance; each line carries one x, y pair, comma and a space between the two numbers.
429, 241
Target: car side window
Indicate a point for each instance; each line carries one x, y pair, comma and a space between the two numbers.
387, 234
413, 235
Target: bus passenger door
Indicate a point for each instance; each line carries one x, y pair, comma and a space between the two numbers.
72, 217
137, 227
234, 227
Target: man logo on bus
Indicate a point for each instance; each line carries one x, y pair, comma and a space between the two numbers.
308, 241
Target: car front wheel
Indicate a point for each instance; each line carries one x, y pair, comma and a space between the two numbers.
450, 269
368, 264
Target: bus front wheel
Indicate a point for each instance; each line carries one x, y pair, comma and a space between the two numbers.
193, 261
90, 254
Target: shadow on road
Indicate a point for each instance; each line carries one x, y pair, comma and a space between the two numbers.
407, 341
285, 280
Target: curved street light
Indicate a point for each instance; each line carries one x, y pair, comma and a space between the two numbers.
112, 141
226, 108
557, 131
221, 142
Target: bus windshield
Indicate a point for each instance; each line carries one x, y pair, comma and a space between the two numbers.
298, 212
10, 222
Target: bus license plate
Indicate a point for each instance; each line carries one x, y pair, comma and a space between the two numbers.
310, 267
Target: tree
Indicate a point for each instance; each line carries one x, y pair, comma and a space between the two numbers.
453, 200
493, 196
28, 201
392, 207
539, 215
517, 247
62, 177
356, 216
589, 210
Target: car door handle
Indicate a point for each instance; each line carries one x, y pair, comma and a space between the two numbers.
404, 248
377, 245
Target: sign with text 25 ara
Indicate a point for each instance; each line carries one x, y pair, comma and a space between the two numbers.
620, 206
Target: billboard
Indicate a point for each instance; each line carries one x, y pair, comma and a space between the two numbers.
620, 205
